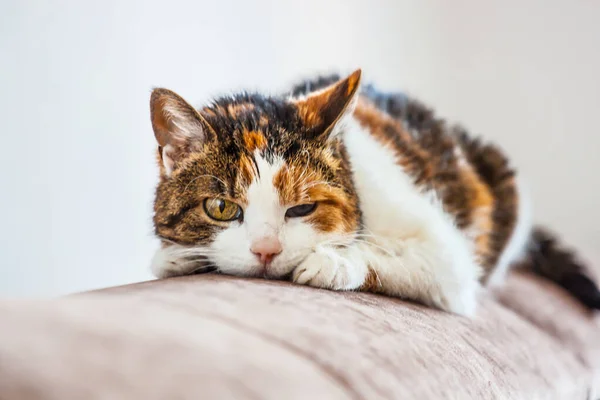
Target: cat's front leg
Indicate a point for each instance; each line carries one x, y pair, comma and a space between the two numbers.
336, 268
438, 271
439, 274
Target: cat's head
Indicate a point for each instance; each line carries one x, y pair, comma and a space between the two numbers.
250, 184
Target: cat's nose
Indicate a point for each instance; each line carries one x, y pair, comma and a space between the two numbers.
266, 249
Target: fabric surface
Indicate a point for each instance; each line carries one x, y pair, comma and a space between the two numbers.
218, 337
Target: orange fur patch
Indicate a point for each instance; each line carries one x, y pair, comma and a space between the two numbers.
372, 283
390, 132
333, 214
298, 184
323, 108
309, 114
352, 82
378, 122
481, 202
254, 140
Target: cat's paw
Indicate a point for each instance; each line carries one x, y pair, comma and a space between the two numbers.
461, 299
329, 270
459, 286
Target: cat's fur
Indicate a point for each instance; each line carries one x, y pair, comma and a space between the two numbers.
406, 205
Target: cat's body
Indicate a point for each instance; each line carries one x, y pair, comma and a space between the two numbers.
345, 189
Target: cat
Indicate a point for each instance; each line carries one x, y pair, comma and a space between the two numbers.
340, 186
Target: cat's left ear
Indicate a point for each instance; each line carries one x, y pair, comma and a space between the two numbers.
325, 111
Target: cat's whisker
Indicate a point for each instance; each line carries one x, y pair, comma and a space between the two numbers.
353, 239
203, 268
383, 249
194, 253
180, 250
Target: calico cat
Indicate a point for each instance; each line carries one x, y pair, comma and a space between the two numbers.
343, 187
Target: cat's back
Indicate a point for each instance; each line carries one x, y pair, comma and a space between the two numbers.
409, 151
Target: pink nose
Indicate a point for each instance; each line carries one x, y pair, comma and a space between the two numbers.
266, 249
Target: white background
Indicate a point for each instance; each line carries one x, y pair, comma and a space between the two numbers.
77, 165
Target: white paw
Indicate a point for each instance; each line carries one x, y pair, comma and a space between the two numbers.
329, 270
460, 288
462, 300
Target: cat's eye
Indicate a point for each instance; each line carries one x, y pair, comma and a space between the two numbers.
222, 210
301, 210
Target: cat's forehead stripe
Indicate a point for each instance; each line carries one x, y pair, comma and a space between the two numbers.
261, 191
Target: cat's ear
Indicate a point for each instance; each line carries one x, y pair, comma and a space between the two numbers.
177, 126
325, 111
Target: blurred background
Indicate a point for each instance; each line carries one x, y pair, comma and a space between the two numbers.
77, 166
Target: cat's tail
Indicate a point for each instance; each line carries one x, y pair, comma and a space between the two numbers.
548, 258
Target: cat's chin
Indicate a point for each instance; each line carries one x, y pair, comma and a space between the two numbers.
265, 273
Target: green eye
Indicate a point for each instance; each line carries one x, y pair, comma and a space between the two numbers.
301, 210
222, 210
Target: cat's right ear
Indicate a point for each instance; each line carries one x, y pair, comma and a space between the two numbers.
177, 126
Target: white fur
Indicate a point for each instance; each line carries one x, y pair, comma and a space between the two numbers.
422, 254
333, 268
168, 159
175, 259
